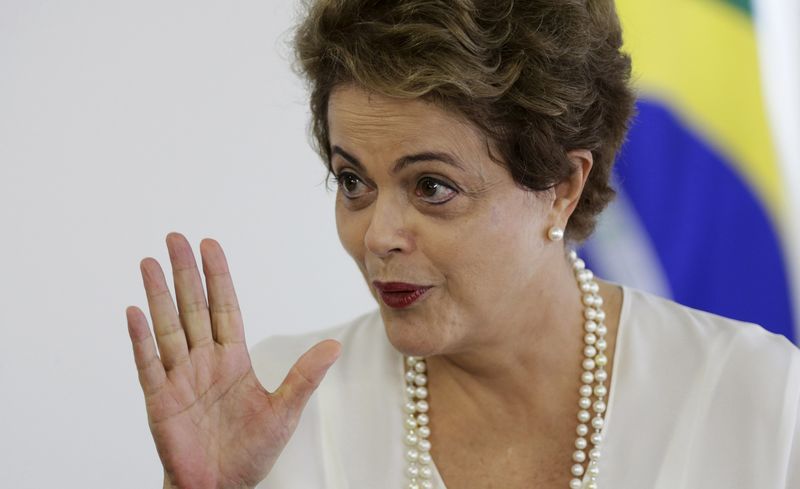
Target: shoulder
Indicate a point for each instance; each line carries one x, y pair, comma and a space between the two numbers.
655, 321
696, 391
709, 360
273, 356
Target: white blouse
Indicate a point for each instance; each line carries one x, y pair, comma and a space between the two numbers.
696, 401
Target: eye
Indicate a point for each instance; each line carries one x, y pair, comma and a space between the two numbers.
434, 191
348, 183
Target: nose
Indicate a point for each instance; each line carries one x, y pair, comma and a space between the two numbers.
388, 232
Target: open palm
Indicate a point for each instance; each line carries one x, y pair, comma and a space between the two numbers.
214, 424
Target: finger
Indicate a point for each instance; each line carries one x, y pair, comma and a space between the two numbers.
306, 374
170, 337
192, 305
226, 318
151, 372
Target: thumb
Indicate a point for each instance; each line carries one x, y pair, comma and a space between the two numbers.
306, 374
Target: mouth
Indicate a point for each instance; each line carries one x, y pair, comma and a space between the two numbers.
399, 295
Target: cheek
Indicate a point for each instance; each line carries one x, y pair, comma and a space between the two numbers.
351, 228
345, 230
500, 232
491, 253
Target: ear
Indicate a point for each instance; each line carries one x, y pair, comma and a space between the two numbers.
569, 190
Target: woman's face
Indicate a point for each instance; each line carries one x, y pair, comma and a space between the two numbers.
420, 201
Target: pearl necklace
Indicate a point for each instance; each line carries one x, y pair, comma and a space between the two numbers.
417, 424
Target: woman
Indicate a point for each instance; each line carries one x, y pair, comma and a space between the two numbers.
467, 139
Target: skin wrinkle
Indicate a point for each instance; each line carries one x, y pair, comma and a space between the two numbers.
476, 185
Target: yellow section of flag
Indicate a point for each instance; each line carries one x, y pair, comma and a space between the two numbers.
701, 58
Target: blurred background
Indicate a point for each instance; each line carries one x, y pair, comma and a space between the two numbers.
708, 210
123, 121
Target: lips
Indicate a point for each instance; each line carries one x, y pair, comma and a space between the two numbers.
397, 286
400, 294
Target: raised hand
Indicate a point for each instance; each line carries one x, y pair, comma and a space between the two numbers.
214, 424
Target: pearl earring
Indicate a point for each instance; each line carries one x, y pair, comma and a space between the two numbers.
555, 233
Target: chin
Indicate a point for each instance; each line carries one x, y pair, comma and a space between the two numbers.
410, 337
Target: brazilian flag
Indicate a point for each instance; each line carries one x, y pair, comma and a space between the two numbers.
704, 209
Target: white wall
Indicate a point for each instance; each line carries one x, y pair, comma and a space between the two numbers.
119, 122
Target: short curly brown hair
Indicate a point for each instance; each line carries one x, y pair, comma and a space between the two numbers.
538, 77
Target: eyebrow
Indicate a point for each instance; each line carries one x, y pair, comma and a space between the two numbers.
403, 161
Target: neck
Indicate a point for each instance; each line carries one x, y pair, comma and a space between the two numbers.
530, 366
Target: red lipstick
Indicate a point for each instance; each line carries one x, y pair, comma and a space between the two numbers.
400, 294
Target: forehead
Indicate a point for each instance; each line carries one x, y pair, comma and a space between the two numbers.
379, 124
